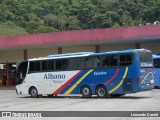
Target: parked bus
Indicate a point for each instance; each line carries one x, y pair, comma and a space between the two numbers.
103, 74
156, 61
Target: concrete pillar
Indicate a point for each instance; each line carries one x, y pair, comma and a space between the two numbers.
59, 50
97, 48
137, 46
25, 55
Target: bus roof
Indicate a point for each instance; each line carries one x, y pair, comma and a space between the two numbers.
69, 54
80, 54
155, 56
119, 52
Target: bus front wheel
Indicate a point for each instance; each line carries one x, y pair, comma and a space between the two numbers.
86, 91
34, 92
101, 91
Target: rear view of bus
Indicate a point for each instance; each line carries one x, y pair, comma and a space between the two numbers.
156, 61
145, 78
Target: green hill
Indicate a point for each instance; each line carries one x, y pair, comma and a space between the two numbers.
42, 16
8, 30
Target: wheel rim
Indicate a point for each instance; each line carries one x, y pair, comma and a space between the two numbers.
101, 92
85, 91
34, 92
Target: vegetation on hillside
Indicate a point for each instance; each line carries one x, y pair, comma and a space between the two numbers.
41, 16
8, 29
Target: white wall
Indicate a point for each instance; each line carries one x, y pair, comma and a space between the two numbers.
154, 47
15, 56
116, 47
41, 52
78, 49
12, 56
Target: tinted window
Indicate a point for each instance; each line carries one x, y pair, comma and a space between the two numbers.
96, 62
105, 61
44, 65
88, 62
58, 65
31, 66
62, 64
126, 60
65, 64
47, 65
23, 67
114, 60
110, 61
76, 63
50, 65
156, 63
34, 66
37, 66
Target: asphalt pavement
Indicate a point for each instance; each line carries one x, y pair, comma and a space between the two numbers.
142, 101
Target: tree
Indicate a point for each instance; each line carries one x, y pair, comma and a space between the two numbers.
31, 26
51, 20
62, 15
45, 29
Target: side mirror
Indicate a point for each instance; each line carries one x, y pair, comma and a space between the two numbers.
20, 76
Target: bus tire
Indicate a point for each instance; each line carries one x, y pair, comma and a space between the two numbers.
101, 91
86, 91
34, 92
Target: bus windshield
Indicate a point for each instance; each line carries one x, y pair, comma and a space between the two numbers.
21, 72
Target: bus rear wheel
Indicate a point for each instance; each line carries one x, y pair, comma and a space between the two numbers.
34, 92
101, 91
86, 91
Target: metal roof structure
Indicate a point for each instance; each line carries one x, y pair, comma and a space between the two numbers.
134, 34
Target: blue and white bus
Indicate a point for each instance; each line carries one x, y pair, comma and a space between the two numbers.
103, 74
156, 61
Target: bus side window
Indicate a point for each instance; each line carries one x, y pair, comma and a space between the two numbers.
58, 65
76, 63
88, 63
105, 61
65, 64
34, 66
110, 61
31, 66
156, 63
96, 62
51, 65
126, 60
44, 65
114, 61
37, 66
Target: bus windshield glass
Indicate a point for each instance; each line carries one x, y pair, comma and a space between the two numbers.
21, 72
